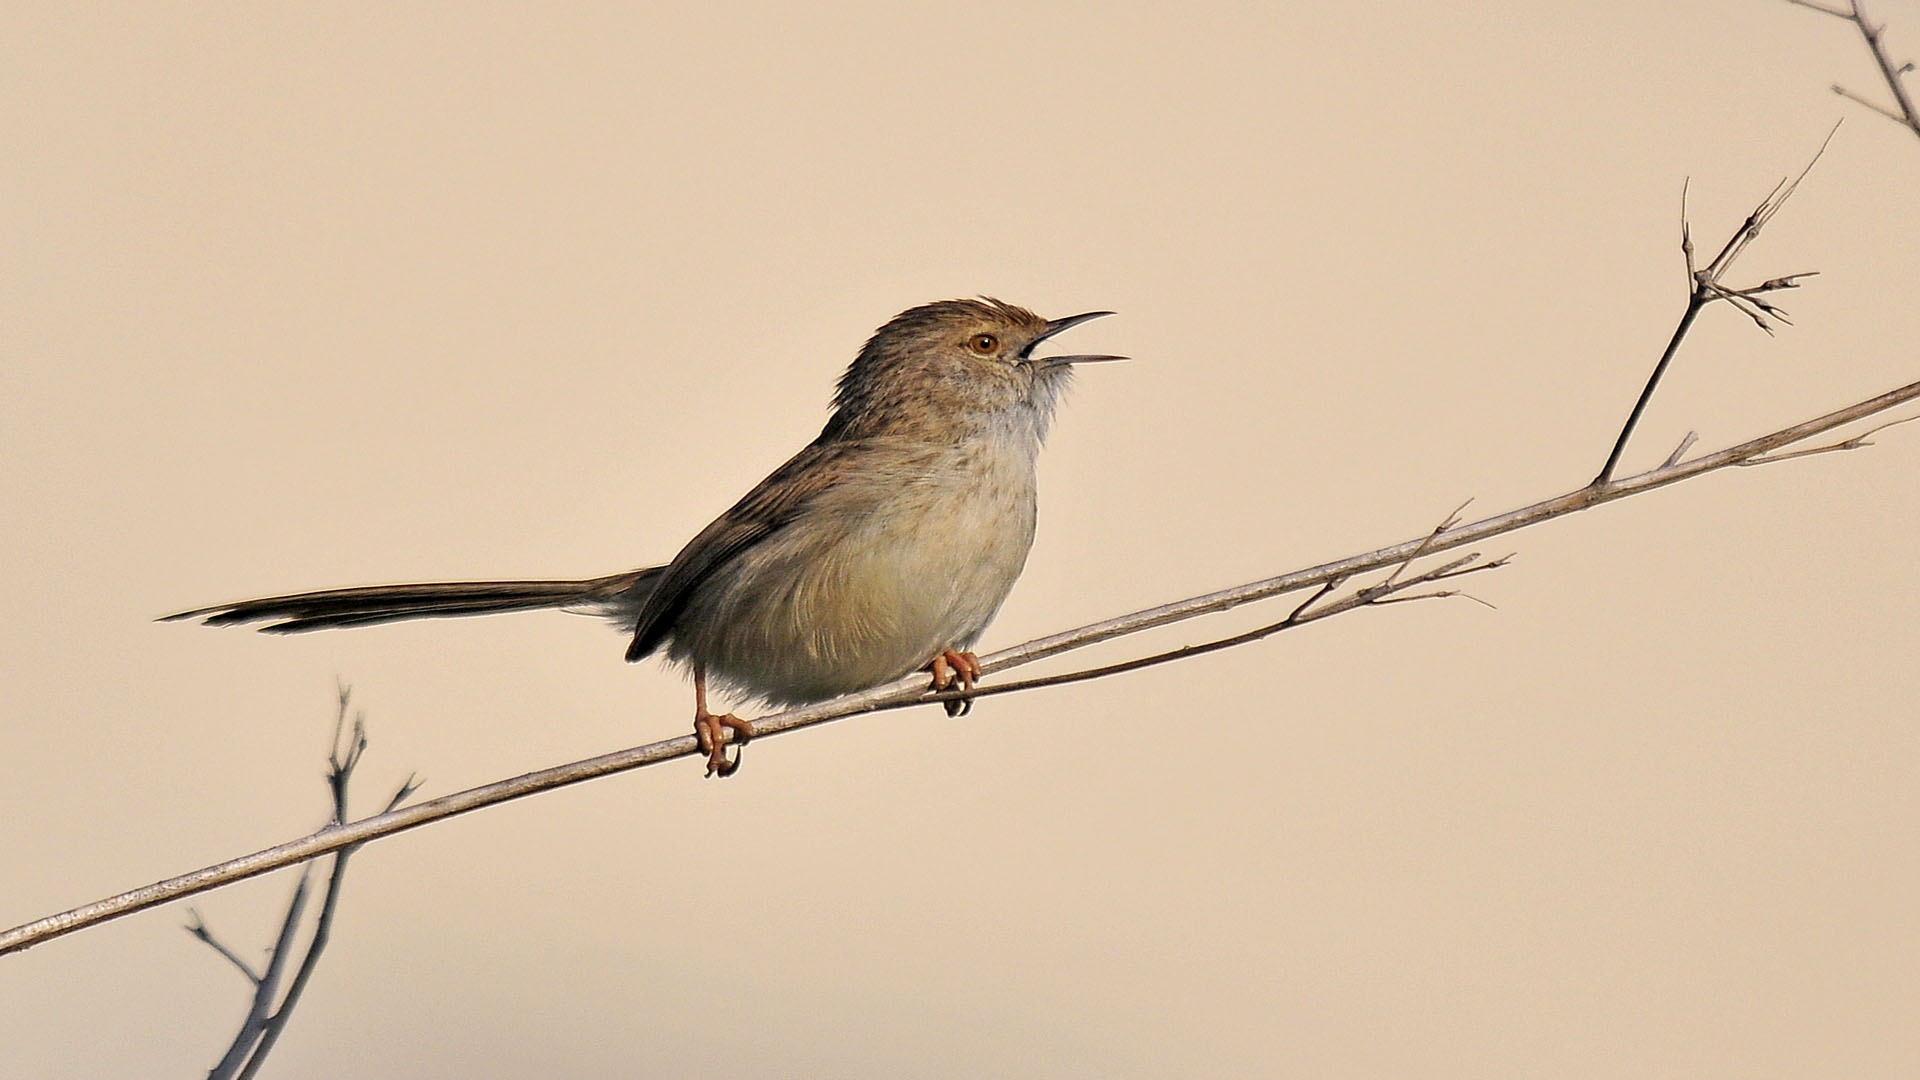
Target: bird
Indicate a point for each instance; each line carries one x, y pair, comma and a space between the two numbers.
885, 546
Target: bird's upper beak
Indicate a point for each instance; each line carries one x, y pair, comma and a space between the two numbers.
1057, 326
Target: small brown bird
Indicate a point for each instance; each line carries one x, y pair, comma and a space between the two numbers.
885, 546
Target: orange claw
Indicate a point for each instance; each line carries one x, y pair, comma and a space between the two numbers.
953, 666
712, 730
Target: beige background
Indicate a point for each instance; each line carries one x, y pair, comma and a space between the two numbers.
293, 300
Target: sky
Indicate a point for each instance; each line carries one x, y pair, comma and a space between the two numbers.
299, 298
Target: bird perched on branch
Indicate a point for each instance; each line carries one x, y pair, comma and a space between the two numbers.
885, 546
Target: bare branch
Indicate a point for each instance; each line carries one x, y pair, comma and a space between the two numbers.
265, 1022
1835, 12
1386, 591
1446, 523
1686, 236
255, 1025
1681, 450
322, 933
1906, 114
1855, 443
343, 837
199, 929
1300, 613
1705, 288
1875, 106
405, 790
911, 690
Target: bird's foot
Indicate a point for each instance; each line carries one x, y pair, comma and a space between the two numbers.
952, 667
712, 731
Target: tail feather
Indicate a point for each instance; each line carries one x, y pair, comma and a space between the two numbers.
616, 596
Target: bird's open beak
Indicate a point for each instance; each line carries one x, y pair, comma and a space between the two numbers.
1057, 326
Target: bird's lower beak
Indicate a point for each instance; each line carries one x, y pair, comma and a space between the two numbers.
1049, 362
1056, 326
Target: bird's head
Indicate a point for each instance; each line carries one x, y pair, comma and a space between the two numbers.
955, 365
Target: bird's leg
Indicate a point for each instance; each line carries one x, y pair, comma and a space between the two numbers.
951, 667
712, 730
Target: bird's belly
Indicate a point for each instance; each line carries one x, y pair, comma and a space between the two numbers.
849, 597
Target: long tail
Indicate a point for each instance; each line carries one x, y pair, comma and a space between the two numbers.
616, 596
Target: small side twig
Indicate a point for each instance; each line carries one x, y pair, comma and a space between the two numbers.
199, 929
1906, 114
266, 989
1680, 451
265, 1020
1854, 443
1389, 590
1446, 523
1705, 288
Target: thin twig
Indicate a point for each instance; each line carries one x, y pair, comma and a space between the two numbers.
1705, 288
198, 929
1835, 12
1681, 450
1299, 613
265, 1021
1907, 116
1385, 592
1875, 106
911, 690
1446, 523
263, 994
1856, 442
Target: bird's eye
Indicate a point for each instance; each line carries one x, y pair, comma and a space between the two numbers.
984, 344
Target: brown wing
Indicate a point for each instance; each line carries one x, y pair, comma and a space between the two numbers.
772, 505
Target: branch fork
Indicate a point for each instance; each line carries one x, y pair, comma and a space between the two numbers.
1905, 114
265, 1020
